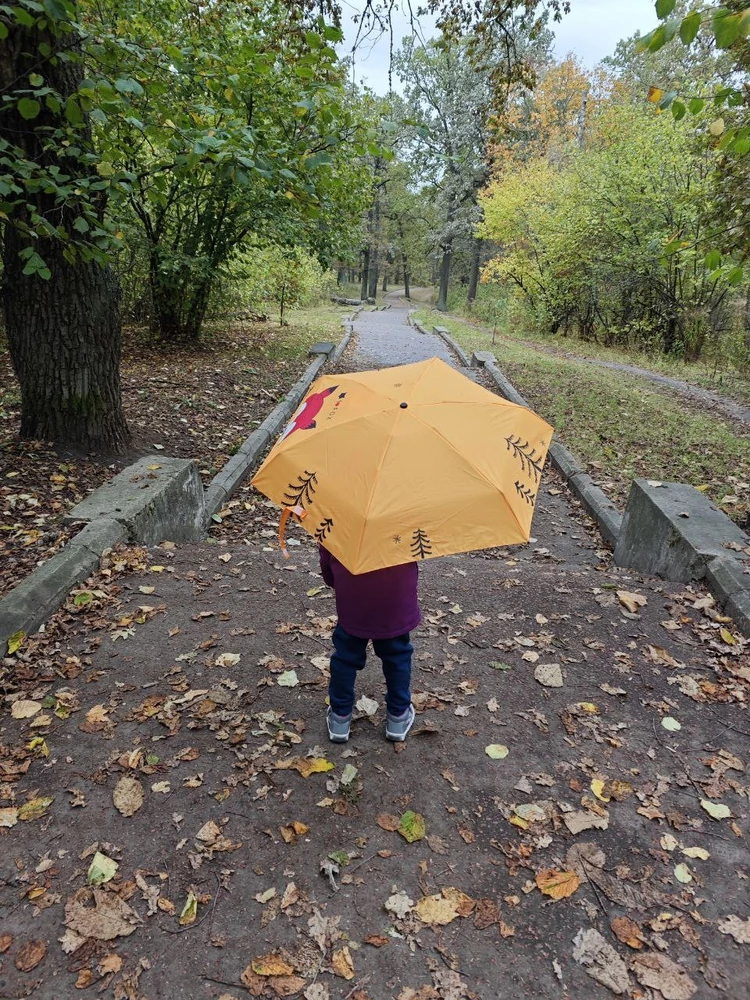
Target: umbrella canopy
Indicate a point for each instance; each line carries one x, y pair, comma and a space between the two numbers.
407, 463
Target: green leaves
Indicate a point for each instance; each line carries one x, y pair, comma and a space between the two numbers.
28, 108
726, 27
690, 27
664, 8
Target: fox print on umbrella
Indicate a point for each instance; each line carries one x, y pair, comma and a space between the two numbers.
304, 418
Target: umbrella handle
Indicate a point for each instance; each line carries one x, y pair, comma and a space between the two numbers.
299, 513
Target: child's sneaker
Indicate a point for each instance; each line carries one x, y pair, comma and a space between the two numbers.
339, 726
397, 726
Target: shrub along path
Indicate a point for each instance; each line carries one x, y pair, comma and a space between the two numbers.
567, 819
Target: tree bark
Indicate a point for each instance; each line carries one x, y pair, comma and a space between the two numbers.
365, 272
64, 333
445, 275
476, 258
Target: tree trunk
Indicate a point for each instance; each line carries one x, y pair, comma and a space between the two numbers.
64, 333
747, 319
372, 289
365, 272
64, 339
476, 258
445, 274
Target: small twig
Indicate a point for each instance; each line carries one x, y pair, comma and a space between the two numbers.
366, 860
357, 986
223, 982
591, 882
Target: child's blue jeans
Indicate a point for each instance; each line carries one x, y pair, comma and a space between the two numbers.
350, 654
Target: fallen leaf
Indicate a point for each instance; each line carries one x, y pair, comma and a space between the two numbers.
557, 884
386, 821
376, 940
24, 709
102, 869
660, 973
696, 852
110, 963
399, 904
549, 675
190, 910
716, 810
435, 909
288, 679
35, 808
736, 927
682, 874
8, 817
412, 826
367, 706
581, 820
305, 765
631, 601
271, 965
128, 795
496, 751
6, 940
161, 787
627, 931
227, 659
597, 787
108, 918
672, 725
600, 960
30, 954
342, 964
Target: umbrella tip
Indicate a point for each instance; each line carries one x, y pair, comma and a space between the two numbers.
404, 406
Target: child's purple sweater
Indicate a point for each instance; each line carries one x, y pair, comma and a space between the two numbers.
377, 605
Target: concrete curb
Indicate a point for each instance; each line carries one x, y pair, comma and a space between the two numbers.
237, 470
595, 500
30, 604
456, 348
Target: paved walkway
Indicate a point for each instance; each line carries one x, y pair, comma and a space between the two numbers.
384, 337
195, 678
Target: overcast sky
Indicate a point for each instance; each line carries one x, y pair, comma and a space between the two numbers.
591, 31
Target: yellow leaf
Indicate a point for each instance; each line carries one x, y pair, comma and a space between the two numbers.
15, 642
25, 708
436, 910
341, 963
496, 751
189, 910
271, 965
682, 874
716, 810
727, 636
631, 601
557, 884
305, 765
39, 743
588, 706
520, 823
597, 787
716, 127
35, 808
655, 95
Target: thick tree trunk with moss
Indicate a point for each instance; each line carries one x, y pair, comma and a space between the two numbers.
63, 332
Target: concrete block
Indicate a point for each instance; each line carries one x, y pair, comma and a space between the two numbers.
738, 606
726, 576
658, 538
31, 603
481, 358
599, 506
234, 472
325, 347
103, 533
505, 386
214, 500
158, 498
441, 332
564, 461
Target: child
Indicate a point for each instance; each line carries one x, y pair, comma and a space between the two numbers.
380, 606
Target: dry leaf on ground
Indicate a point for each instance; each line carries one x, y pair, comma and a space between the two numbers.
128, 795
25, 709
661, 973
631, 601
627, 931
305, 765
436, 909
108, 918
736, 927
342, 964
412, 826
549, 675
557, 884
399, 904
271, 965
30, 954
601, 961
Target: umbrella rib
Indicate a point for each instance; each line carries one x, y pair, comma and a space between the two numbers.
464, 459
374, 487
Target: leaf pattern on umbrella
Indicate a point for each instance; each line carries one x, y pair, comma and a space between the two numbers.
421, 546
323, 530
302, 491
524, 491
530, 459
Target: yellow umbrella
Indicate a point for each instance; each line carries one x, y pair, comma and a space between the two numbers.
389, 466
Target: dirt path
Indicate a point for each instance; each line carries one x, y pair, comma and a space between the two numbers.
199, 674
